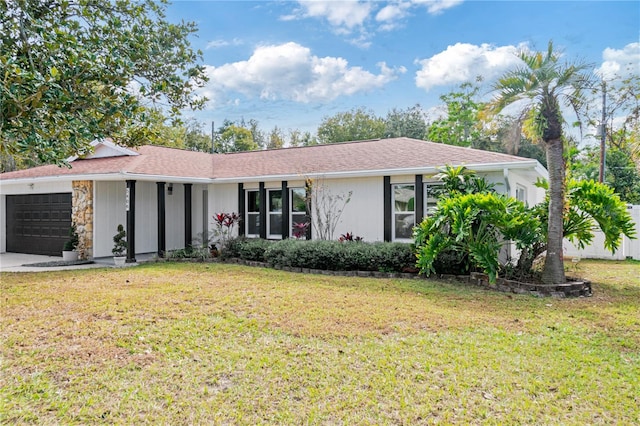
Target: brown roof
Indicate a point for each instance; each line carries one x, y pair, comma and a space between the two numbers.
369, 155
360, 156
153, 160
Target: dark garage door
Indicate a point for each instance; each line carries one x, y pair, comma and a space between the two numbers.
38, 223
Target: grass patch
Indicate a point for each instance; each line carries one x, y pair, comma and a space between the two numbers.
227, 344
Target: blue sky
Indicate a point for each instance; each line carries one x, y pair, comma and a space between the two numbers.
291, 63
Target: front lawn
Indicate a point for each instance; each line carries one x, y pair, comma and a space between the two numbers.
227, 344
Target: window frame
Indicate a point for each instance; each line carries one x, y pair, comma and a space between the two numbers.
292, 212
270, 213
249, 213
395, 213
429, 201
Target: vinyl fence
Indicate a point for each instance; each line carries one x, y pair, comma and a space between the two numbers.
628, 248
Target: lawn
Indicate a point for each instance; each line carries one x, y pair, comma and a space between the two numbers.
227, 344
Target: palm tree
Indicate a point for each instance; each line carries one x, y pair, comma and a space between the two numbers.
544, 84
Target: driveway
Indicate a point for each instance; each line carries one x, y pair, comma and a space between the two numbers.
18, 262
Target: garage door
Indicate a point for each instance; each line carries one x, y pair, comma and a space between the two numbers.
38, 223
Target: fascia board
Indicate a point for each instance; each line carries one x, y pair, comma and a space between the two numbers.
533, 165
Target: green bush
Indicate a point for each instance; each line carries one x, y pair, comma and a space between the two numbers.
197, 253
246, 248
341, 256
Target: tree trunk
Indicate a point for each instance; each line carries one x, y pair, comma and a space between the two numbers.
554, 266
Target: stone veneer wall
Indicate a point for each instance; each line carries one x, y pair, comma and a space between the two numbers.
82, 216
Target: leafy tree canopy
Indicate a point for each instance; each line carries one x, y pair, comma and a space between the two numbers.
354, 125
461, 126
74, 71
410, 123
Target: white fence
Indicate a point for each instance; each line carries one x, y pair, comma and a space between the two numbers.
628, 248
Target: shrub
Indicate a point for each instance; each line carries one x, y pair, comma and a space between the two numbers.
197, 253
336, 256
246, 248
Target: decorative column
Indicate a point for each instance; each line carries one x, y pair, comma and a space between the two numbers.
130, 202
241, 210
162, 234
286, 227
187, 215
386, 191
82, 216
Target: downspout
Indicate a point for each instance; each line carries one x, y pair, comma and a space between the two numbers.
507, 185
505, 173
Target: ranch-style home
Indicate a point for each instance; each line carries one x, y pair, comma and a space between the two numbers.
166, 197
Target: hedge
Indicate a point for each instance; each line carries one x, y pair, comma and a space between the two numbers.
327, 255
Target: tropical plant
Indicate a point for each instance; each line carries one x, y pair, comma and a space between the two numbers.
224, 226
119, 242
476, 226
591, 205
349, 236
460, 180
300, 230
545, 83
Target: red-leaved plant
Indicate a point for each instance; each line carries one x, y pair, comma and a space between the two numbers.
225, 222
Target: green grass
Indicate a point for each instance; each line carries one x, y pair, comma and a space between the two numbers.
227, 344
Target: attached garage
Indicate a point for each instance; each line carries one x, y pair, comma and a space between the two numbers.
38, 223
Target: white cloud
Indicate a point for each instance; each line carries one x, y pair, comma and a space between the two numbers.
620, 62
364, 16
343, 16
463, 62
436, 7
289, 71
216, 44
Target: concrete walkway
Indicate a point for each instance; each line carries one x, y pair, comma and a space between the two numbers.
19, 262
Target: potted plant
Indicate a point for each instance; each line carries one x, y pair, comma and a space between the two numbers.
119, 246
69, 252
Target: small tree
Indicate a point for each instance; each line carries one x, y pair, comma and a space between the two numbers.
72, 243
120, 242
327, 208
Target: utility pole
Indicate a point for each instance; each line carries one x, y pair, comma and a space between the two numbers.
213, 137
603, 132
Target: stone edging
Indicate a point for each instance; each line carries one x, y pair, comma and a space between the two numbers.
571, 289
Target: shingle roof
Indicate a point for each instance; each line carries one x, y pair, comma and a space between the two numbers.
369, 155
360, 156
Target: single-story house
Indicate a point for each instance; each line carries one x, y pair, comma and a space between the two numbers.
166, 197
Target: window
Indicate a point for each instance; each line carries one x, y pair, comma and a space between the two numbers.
253, 214
298, 211
403, 211
521, 193
430, 197
274, 218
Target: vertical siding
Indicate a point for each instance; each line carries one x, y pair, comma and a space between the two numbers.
175, 217
146, 217
109, 211
364, 214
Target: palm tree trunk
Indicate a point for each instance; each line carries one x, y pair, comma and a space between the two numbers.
554, 266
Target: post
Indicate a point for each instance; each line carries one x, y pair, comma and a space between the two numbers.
603, 132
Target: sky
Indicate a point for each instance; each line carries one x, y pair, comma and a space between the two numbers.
292, 63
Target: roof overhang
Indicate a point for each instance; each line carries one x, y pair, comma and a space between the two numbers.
533, 165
